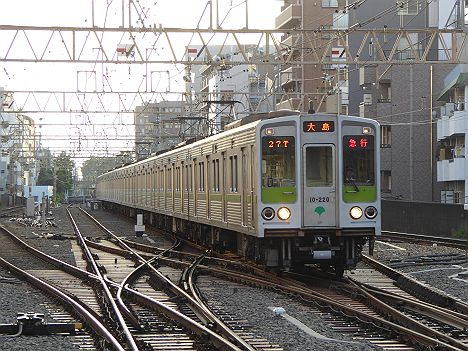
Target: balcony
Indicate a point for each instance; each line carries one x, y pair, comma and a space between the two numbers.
451, 170
290, 76
367, 75
289, 104
289, 18
452, 124
290, 43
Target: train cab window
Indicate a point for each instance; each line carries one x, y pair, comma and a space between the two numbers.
319, 166
278, 169
359, 168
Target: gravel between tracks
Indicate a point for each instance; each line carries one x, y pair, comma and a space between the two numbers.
61, 249
17, 296
125, 227
441, 277
253, 304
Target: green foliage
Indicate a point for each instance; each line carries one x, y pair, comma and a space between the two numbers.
63, 166
95, 166
46, 176
460, 234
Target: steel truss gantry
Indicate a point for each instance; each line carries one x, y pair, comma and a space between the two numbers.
74, 44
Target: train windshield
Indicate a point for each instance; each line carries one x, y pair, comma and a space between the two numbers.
278, 169
359, 168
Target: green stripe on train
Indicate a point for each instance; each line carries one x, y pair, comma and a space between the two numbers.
285, 195
366, 193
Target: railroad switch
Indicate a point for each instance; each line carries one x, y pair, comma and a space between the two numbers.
33, 324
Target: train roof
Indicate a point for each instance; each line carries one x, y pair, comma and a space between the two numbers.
230, 129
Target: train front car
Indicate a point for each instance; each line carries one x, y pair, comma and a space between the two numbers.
318, 199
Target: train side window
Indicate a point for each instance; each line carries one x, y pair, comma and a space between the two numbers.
233, 164
201, 176
215, 175
189, 180
169, 179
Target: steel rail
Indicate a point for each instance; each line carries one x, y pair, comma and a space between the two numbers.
155, 305
131, 277
450, 317
219, 342
199, 310
407, 283
84, 313
446, 241
413, 324
410, 332
66, 267
187, 278
108, 295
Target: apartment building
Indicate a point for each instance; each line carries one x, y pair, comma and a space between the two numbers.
402, 97
222, 92
452, 134
307, 86
160, 126
18, 167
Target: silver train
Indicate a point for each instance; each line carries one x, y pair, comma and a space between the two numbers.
280, 188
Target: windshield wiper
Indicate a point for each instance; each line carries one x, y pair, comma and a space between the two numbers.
356, 188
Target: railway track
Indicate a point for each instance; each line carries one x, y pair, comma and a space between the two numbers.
426, 239
123, 274
5, 212
76, 298
157, 315
410, 329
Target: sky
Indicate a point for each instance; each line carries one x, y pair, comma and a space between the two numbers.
88, 132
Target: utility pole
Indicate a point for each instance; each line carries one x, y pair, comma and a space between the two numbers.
55, 184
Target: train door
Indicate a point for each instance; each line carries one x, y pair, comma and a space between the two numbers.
319, 185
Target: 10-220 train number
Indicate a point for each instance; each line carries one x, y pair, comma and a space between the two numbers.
320, 199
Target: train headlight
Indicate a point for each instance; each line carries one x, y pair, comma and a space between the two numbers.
284, 213
371, 212
355, 212
268, 213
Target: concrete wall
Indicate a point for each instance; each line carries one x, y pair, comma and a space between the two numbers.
423, 217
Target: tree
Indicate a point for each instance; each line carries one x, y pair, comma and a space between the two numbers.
63, 169
45, 177
95, 166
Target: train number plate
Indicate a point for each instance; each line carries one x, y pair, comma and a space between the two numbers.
320, 199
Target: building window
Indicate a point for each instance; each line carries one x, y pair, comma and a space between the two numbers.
385, 92
407, 7
329, 3
385, 136
386, 179
325, 35
340, 20
457, 198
